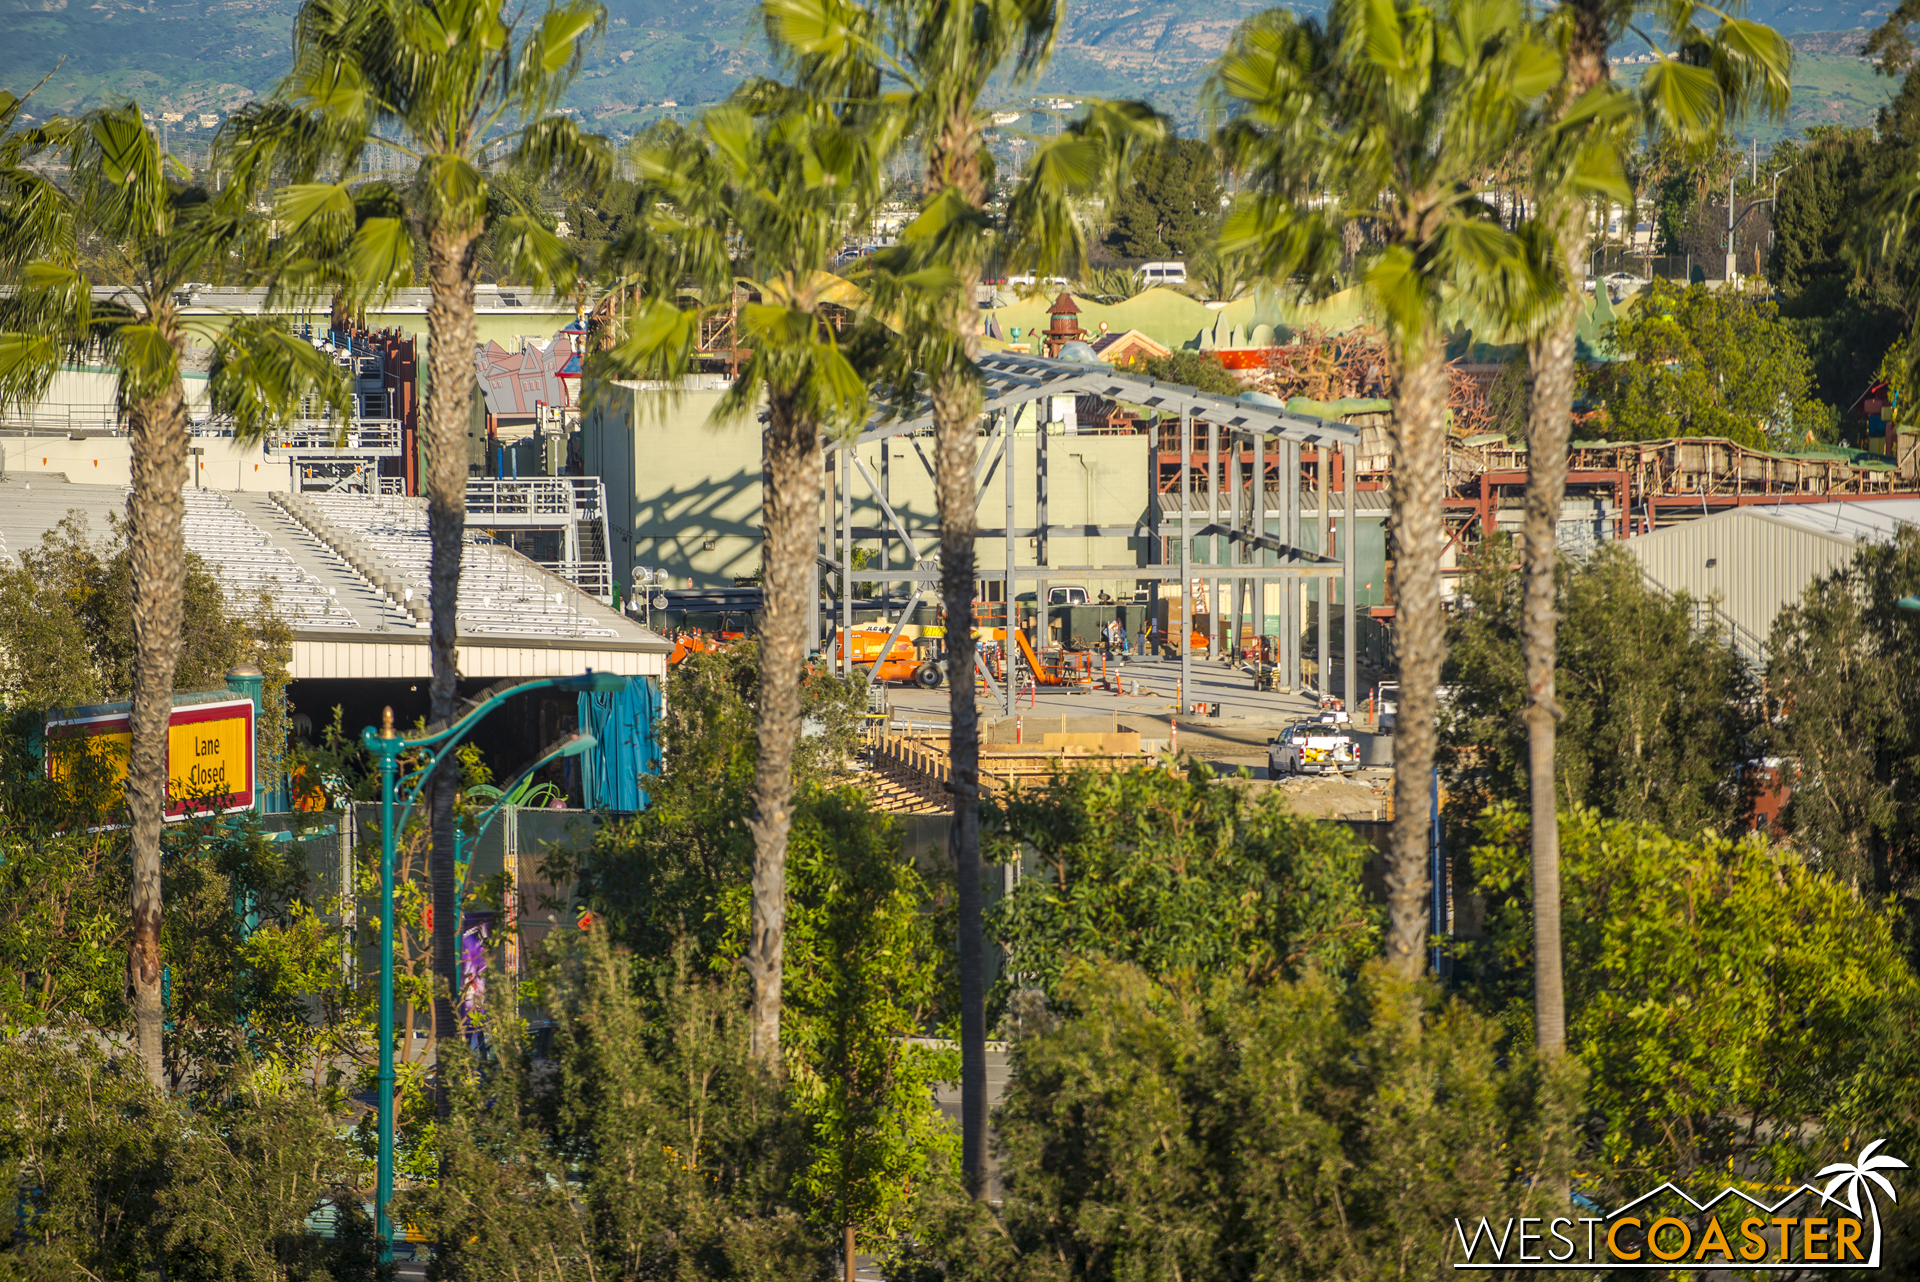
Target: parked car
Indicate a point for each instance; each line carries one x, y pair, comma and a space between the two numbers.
1064, 594
1312, 748
1163, 274
1625, 283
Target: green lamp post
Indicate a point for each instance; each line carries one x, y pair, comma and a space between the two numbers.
386, 744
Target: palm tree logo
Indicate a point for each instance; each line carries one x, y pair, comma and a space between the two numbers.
1856, 1178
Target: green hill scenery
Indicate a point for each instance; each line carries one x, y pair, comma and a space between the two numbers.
187, 58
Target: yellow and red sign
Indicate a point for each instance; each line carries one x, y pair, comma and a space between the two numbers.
210, 753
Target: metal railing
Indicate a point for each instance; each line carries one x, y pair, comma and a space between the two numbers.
595, 578
57, 419
561, 498
322, 436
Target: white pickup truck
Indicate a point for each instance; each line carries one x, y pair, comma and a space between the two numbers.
1313, 748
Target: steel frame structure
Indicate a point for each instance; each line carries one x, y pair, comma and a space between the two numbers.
1238, 553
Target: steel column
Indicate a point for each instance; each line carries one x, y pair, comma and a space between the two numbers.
1008, 592
1042, 608
1290, 535
1184, 650
846, 563
1350, 678
1262, 556
1236, 552
1323, 599
1214, 541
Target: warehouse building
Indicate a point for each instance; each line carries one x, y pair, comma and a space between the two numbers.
1752, 562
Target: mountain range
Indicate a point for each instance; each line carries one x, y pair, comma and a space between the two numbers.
189, 58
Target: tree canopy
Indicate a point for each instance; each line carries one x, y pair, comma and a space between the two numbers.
1172, 207
1654, 710
1696, 361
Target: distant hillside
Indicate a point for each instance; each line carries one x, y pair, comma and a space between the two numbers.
662, 56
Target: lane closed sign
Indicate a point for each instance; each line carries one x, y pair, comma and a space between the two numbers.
210, 752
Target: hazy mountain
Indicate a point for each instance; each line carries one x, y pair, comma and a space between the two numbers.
191, 57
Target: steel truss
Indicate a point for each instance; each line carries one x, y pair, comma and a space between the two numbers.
1248, 547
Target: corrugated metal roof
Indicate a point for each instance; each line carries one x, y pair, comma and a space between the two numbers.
1876, 521
1756, 561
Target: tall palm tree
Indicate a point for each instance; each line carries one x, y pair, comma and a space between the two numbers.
1718, 75
121, 193
789, 176
458, 88
943, 56
1392, 114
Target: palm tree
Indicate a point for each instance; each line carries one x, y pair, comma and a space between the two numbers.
1581, 158
789, 176
1392, 114
1861, 1176
458, 88
154, 232
945, 55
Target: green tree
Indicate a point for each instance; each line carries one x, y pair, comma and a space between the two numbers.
1576, 159
947, 56
652, 1143
791, 176
1700, 362
1210, 1130
113, 1180
1653, 713
654, 879
1172, 207
1846, 717
1399, 111
106, 173
865, 966
1723, 996
457, 87
1848, 309
1177, 875
1193, 369
72, 596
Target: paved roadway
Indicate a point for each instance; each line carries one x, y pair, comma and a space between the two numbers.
1150, 700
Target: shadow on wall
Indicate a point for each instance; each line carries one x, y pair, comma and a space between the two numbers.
672, 527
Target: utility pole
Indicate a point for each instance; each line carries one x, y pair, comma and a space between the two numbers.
1730, 265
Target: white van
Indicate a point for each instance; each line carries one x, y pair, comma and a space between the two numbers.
1152, 274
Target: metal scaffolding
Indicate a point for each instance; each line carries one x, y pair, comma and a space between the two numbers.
1258, 544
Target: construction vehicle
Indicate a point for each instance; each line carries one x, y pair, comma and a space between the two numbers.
1312, 748
911, 660
693, 641
1060, 667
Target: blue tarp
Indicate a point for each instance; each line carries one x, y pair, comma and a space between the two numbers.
625, 723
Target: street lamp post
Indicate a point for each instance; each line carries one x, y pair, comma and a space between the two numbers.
386, 744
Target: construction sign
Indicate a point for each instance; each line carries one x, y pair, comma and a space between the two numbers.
210, 752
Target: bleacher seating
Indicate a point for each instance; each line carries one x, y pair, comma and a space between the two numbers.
249, 565
500, 592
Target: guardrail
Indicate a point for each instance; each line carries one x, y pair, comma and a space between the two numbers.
53, 421
595, 578
322, 436
560, 498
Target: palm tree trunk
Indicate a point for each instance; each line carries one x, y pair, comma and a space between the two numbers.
450, 336
956, 413
156, 513
790, 521
1419, 447
954, 161
1548, 429
1549, 426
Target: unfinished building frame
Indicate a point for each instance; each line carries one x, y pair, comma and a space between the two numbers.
1250, 546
